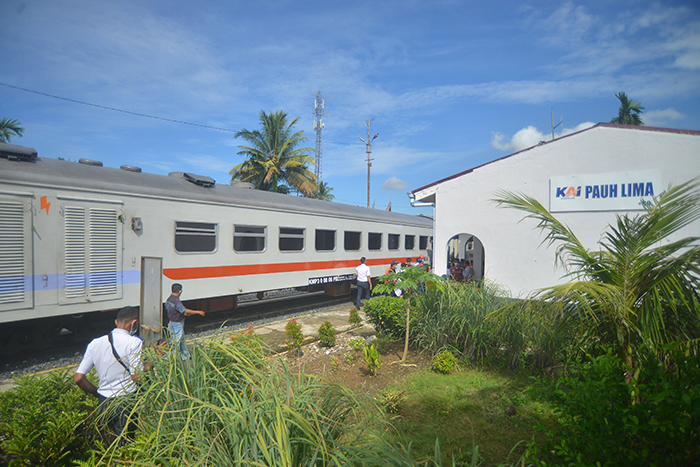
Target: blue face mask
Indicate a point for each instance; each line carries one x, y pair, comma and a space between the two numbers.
133, 331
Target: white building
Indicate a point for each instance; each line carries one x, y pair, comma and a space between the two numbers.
584, 178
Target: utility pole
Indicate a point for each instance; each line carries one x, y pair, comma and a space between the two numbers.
319, 112
561, 121
369, 151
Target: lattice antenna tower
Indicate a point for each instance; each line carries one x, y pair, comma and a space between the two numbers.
319, 113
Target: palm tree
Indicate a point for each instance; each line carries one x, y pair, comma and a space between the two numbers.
630, 111
324, 192
274, 163
9, 128
640, 289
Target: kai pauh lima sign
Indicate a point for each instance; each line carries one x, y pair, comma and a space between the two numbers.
604, 192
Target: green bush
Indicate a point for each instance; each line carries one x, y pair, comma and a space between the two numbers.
46, 420
371, 358
326, 334
294, 336
444, 362
652, 420
355, 319
388, 316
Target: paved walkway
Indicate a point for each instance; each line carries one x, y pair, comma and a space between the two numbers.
274, 336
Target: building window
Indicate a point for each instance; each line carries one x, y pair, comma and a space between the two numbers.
195, 237
247, 238
410, 242
325, 240
374, 241
291, 239
423, 243
352, 241
394, 240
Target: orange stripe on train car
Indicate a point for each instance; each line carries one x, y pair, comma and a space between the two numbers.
210, 272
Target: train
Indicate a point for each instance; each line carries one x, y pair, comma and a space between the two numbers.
75, 236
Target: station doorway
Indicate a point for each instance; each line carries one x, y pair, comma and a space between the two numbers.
469, 248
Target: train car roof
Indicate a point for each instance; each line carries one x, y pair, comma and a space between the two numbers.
44, 172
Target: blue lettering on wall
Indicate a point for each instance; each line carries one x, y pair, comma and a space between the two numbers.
588, 190
638, 189
604, 191
649, 190
561, 191
596, 192
613, 190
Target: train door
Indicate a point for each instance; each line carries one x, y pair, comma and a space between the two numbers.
16, 284
90, 263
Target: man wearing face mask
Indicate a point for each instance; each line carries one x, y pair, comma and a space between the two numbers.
176, 317
117, 359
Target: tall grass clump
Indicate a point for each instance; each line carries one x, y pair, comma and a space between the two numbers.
456, 317
232, 406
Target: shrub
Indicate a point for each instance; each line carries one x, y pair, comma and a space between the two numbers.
391, 399
356, 343
371, 358
355, 319
294, 336
249, 338
444, 362
653, 420
326, 334
387, 315
46, 420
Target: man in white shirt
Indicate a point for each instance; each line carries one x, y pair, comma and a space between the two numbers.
364, 281
117, 359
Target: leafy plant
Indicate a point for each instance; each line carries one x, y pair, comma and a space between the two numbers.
46, 420
249, 338
411, 280
349, 358
356, 343
391, 399
371, 358
639, 290
326, 334
652, 420
387, 315
294, 335
355, 319
444, 362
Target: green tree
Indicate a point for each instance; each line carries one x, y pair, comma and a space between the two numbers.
410, 280
640, 289
274, 162
630, 111
324, 192
9, 128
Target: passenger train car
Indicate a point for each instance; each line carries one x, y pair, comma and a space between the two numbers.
73, 236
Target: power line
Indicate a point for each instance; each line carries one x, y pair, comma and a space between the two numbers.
114, 109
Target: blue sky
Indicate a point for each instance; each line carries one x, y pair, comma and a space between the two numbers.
450, 84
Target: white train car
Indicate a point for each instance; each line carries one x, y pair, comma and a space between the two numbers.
73, 234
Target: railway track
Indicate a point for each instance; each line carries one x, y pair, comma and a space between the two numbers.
250, 311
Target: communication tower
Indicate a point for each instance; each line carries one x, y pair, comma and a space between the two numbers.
319, 113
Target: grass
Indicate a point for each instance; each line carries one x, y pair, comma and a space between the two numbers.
467, 408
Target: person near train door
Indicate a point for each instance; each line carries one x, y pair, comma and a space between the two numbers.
176, 319
364, 281
117, 359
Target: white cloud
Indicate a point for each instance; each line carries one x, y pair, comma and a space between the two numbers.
661, 117
531, 136
394, 183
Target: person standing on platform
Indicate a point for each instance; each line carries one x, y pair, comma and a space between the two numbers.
176, 317
364, 281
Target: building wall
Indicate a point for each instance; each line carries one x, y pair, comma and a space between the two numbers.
514, 255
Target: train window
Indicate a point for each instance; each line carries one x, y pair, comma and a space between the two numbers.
374, 241
195, 237
410, 242
325, 240
394, 240
423, 243
248, 238
352, 241
291, 239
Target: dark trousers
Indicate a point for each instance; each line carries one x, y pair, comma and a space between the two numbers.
115, 411
362, 289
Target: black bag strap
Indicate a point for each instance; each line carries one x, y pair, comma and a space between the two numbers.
116, 355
